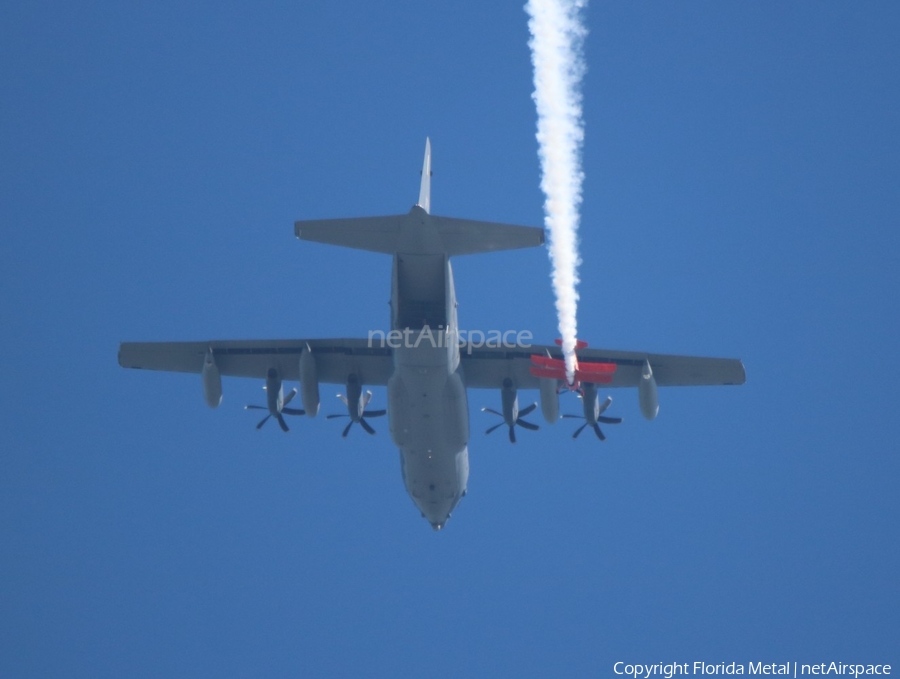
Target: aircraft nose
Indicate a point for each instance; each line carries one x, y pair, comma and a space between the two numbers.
437, 513
437, 517
435, 485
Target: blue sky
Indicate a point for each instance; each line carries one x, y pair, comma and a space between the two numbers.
740, 199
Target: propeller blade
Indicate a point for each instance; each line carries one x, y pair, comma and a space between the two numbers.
512, 434
255, 408
579, 430
374, 413
605, 404
263, 421
527, 410
331, 417
527, 425
343, 399
496, 426
492, 411
599, 432
610, 420
291, 394
367, 399
573, 417
282, 423
366, 425
347, 429
293, 411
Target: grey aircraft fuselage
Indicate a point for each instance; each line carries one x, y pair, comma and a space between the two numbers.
428, 410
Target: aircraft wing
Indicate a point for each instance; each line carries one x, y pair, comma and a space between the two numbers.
335, 358
486, 367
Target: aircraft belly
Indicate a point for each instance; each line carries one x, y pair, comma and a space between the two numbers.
428, 409
429, 422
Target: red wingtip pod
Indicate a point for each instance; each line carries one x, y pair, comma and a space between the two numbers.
579, 344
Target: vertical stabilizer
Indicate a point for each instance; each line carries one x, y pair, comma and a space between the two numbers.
425, 187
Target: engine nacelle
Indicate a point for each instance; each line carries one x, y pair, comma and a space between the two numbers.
549, 399
309, 382
212, 381
647, 393
274, 391
355, 404
510, 400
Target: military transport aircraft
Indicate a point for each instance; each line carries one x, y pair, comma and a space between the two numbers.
424, 363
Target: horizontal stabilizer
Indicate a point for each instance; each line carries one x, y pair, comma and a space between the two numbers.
468, 237
419, 233
376, 234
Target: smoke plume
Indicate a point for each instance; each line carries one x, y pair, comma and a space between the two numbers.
557, 35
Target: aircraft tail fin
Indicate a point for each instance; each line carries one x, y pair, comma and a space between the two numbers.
425, 187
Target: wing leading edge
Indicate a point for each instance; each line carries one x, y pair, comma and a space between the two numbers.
335, 358
486, 367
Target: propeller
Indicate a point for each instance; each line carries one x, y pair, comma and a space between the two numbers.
362, 418
519, 421
278, 416
600, 418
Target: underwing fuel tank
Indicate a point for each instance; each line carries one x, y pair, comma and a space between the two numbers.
309, 382
647, 393
549, 399
212, 381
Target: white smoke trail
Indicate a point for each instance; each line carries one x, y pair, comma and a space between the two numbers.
556, 40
